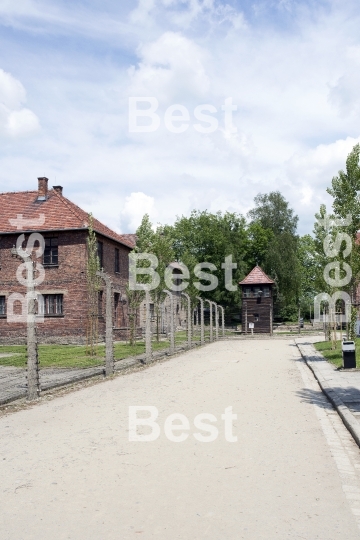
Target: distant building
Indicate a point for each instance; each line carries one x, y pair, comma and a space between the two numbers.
257, 301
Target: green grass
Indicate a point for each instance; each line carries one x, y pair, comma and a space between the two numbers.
335, 356
72, 356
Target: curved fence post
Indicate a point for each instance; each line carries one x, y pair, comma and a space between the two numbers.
222, 321
109, 345
172, 329
188, 319
32, 363
148, 347
202, 330
211, 321
216, 321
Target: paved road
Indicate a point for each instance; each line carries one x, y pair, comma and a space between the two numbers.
69, 471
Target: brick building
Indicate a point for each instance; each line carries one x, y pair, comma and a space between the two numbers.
64, 227
257, 301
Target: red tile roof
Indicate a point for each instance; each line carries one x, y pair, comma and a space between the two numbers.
56, 213
257, 276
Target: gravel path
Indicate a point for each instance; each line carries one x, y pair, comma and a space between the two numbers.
69, 471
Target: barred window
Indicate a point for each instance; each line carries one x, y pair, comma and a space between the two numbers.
2, 305
51, 251
52, 304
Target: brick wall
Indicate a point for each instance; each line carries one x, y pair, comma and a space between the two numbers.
69, 279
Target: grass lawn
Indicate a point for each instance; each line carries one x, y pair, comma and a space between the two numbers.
72, 356
335, 356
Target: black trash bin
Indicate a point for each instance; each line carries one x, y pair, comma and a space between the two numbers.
348, 354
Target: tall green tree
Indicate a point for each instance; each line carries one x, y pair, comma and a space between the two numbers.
272, 211
208, 237
279, 257
345, 190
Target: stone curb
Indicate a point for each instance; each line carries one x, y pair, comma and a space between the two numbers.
344, 412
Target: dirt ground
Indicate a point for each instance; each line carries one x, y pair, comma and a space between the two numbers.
69, 471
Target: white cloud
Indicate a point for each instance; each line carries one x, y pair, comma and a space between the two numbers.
14, 119
136, 205
171, 68
22, 122
296, 90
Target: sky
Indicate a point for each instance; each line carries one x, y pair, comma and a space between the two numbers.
69, 71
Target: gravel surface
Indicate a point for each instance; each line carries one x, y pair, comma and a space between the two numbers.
69, 471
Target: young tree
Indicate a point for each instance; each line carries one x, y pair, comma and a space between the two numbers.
159, 244
93, 288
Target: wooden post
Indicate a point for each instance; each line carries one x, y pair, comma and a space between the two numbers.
202, 324
271, 319
299, 321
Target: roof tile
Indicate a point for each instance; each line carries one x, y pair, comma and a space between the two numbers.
257, 276
59, 214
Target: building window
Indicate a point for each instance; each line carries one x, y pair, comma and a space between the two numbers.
100, 253
256, 317
51, 305
117, 260
100, 303
51, 251
152, 311
266, 292
2, 306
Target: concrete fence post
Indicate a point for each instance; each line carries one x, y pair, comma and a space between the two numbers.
172, 323
32, 364
33, 379
148, 347
222, 321
109, 342
216, 321
202, 329
188, 319
211, 321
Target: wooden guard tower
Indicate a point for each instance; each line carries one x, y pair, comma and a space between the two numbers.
257, 302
